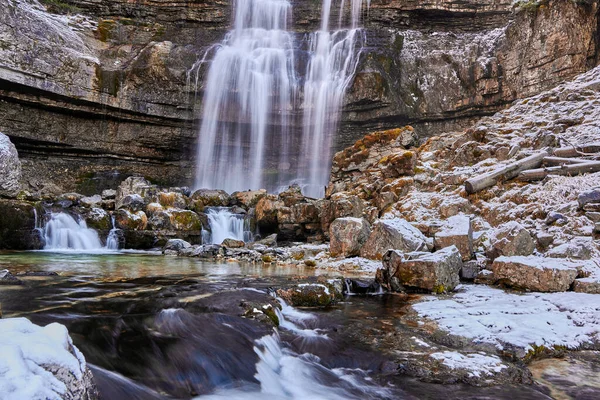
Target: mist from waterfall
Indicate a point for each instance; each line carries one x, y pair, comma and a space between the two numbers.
253, 93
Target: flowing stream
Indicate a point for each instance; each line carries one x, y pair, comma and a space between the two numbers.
155, 327
225, 224
250, 137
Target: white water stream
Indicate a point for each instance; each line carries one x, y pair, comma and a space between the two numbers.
252, 93
63, 233
225, 224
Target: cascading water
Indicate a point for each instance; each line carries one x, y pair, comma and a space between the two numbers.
224, 224
62, 232
250, 97
112, 241
251, 80
335, 57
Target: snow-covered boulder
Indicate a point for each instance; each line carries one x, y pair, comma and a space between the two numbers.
393, 234
436, 272
537, 274
511, 239
347, 236
41, 363
10, 166
457, 231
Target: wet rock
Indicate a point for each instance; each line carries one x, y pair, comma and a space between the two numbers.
457, 231
176, 245
6, 278
578, 248
185, 220
269, 241
207, 251
248, 199
127, 220
98, 219
536, 273
395, 234
266, 213
511, 239
356, 286
347, 236
435, 272
92, 201
233, 244
172, 200
17, 223
10, 167
590, 196
131, 202
308, 295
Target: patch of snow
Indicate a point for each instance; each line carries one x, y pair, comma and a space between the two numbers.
543, 263
356, 264
493, 316
27, 350
325, 288
477, 364
420, 342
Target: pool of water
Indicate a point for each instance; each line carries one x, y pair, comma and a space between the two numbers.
152, 326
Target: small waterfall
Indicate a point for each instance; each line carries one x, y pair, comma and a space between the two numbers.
112, 241
62, 232
250, 88
224, 224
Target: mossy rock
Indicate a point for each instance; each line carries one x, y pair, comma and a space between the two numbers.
310, 295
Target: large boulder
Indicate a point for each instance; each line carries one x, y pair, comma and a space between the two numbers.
135, 185
131, 202
581, 248
536, 273
127, 220
185, 220
91, 201
176, 245
266, 213
248, 199
457, 231
42, 363
11, 168
98, 219
172, 200
394, 234
209, 198
347, 236
511, 239
435, 272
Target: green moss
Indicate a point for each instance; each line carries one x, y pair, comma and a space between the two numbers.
310, 263
270, 312
267, 258
398, 43
439, 289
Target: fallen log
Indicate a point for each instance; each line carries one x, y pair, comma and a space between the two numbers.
554, 161
591, 148
504, 173
573, 169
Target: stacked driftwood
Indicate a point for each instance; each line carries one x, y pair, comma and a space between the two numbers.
563, 161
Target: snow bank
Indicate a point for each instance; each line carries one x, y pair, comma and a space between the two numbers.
477, 364
30, 355
493, 316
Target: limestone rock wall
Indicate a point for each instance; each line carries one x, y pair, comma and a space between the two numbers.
106, 88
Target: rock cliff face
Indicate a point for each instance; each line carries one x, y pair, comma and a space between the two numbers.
106, 88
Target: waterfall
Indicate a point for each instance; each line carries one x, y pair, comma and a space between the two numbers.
250, 98
62, 232
224, 224
335, 57
251, 87
112, 241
